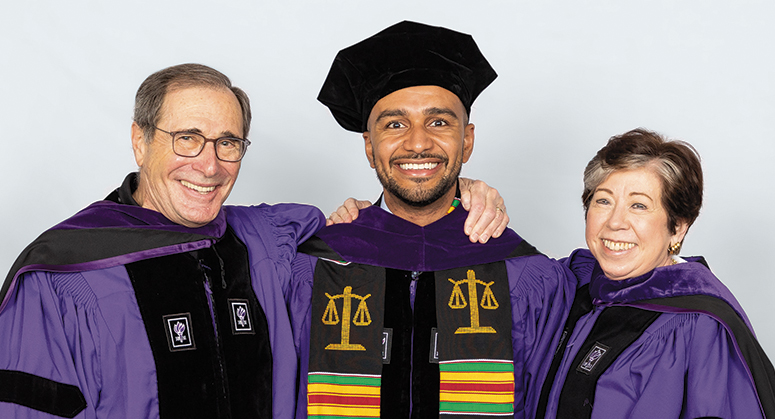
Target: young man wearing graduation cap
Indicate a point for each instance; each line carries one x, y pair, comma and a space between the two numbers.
398, 314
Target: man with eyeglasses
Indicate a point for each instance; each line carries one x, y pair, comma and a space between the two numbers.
159, 301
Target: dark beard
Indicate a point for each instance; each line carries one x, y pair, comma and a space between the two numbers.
418, 197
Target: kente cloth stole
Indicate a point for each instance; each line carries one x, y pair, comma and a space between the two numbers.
476, 360
345, 360
472, 344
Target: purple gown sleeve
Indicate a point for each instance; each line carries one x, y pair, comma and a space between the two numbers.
52, 331
683, 367
300, 311
542, 292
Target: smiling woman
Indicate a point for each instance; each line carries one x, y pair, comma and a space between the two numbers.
641, 194
626, 224
651, 334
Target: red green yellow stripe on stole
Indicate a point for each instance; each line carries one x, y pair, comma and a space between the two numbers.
334, 395
477, 387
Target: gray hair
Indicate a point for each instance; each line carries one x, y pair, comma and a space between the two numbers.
150, 96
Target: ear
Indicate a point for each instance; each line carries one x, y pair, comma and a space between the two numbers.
468, 142
369, 151
680, 232
139, 146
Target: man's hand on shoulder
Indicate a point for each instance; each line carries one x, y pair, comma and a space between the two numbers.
487, 213
347, 212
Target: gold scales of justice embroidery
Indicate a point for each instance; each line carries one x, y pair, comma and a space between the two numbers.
361, 318
457, 301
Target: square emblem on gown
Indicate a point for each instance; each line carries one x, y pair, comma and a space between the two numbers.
179, 334
593, 358
241, 322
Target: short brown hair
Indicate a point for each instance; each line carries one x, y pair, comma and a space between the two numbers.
677, 164
150, 96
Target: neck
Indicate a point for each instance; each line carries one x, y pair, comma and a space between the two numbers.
137, 195
422, 216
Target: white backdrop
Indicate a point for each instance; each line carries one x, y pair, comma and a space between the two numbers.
572, 74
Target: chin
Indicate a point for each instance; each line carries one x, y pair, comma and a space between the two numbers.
198, 219
615, 277
623, 273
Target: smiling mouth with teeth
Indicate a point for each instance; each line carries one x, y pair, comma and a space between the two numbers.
617, 246
200, 189
416, 166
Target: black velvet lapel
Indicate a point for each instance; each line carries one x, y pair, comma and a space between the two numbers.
396, 376
206, 367
247, 351
582, 304
410, 354
425, 374
614, 331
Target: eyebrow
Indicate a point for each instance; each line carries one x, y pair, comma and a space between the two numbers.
389, 113
440, 111
642, 194
199, 131
610, 192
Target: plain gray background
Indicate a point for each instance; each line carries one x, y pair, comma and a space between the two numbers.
572, 74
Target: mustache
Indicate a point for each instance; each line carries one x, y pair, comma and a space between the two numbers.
420, 156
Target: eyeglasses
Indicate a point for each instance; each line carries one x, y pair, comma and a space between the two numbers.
191, 144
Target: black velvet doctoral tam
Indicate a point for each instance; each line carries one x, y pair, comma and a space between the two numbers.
404, 55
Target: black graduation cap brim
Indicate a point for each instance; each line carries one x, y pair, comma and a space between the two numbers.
404, 55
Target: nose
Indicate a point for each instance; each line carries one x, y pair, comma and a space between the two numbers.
617, 218
418, 140
207, 162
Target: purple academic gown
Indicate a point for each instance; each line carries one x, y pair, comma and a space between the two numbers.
541, 289
74, 319
686, 364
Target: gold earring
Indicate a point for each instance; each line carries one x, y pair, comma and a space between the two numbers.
673, 249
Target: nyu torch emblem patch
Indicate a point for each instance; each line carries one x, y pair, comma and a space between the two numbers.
179, 335
240, 317
593, 358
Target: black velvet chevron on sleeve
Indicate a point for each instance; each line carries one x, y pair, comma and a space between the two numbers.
41, 394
